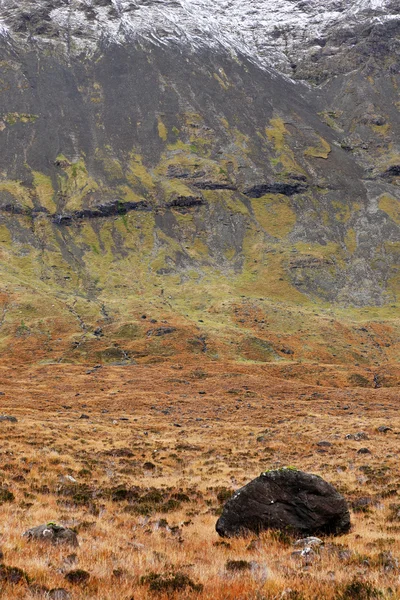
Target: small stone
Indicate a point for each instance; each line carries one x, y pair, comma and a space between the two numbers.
59, 594
8, 418
384, 429
83, 416
361, 436
307, 555
362, 504
310, 542
67, 479
357, 436
324, 444
364, 451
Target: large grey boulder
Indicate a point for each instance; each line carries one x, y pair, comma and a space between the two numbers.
55, 534
285, 499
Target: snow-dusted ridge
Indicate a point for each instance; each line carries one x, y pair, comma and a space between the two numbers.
270, 31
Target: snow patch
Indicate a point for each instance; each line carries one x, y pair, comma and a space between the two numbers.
269, 32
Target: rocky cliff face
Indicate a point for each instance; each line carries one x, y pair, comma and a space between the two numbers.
185, 155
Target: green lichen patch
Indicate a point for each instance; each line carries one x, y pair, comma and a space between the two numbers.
274, 214
322, 150
44, 191
391, 206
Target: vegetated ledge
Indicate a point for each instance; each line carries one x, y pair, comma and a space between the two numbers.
286, 189
114, 208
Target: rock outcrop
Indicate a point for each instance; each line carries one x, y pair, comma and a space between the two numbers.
52, 533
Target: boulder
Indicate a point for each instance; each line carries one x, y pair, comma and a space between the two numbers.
285, 499
56, 534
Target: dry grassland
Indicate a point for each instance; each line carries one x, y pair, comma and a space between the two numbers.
142, 479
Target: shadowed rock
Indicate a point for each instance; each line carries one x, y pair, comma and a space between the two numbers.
285, 499
287, 189
114, 208
55, 534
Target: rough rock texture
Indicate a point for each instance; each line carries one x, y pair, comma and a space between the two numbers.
151, 147
55, 534
288, 500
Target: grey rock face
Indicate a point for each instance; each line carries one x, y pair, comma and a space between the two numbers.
286, 500
189, 93
283, 33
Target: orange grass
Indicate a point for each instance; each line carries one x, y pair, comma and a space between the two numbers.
202, 430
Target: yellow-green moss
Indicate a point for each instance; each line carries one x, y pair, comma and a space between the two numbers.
199, 247
13, 118
138, 174
322, 150
44, 190
234, 204
276, 133
222, 83
162, 130
126, 194
381, 129
274, 214
230, 253
351, 240
175, 187
331, 249
391, 207
76, 184
113, 169
342, 211
5, 236
18, 191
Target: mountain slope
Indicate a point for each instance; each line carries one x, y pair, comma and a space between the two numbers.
154, 164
